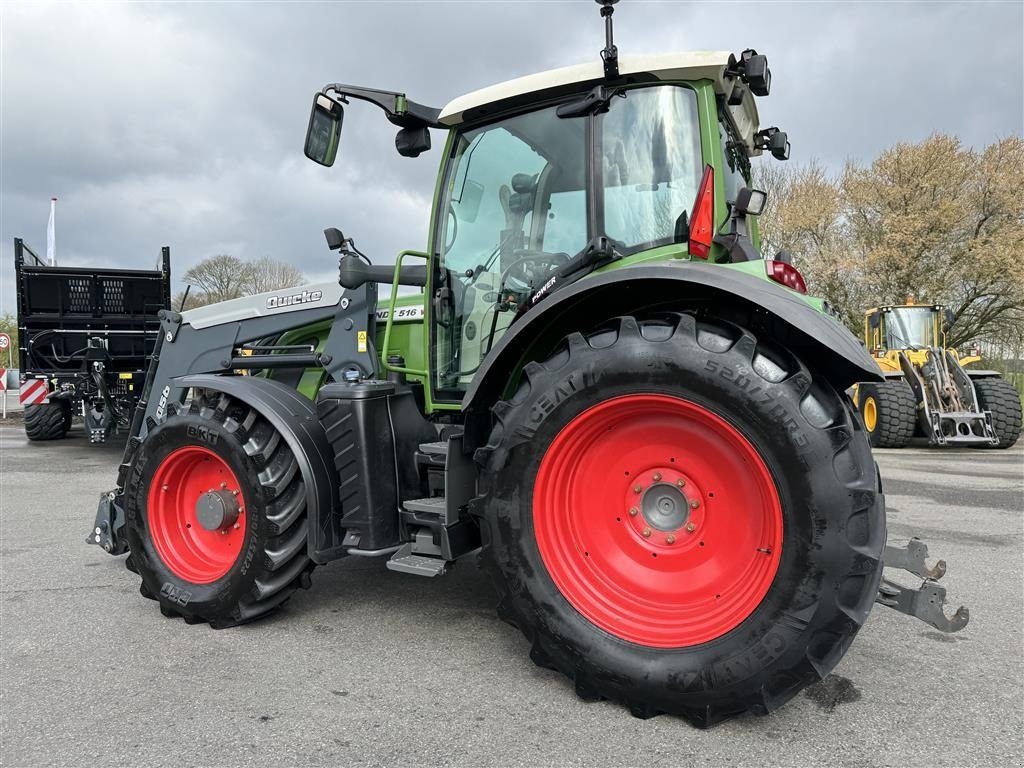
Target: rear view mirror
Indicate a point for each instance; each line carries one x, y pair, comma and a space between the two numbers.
324, 132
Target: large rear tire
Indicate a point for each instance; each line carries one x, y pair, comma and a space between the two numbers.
999, 397
215, 512
889, 413
681, 518
47, 421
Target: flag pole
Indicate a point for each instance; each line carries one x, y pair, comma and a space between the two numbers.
51, 234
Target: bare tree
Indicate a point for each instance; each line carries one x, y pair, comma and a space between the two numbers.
223, 277
267, 274
218, 278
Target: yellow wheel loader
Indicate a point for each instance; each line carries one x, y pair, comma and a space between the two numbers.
930, 390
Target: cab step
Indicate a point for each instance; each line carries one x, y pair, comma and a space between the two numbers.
406, 560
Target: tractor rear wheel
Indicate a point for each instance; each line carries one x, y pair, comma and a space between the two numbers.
681, 518
47, 421
889, 412
216, 514
1001, 399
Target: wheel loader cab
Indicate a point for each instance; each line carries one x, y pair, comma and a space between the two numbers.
908, 327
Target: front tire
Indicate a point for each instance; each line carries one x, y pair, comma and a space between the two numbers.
889, 413
1001, 399
47, 421
215, 512
760, 598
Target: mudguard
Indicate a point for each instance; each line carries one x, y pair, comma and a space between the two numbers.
295, 418
819, 339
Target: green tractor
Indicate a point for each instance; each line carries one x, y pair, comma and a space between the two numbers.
602, 392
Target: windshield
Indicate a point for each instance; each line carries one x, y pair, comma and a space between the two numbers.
909, 327
515, 208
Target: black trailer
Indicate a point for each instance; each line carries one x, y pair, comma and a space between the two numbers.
84, 338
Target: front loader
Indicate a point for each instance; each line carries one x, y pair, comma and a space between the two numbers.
603, 393
929, 389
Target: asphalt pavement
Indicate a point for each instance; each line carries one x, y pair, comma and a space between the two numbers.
374, 668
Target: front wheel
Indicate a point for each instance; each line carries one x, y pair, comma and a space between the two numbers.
215, 513
1002, 400
681, 518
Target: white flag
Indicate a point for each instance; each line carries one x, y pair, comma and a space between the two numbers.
51, 235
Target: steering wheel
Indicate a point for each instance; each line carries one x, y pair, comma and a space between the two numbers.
531, 268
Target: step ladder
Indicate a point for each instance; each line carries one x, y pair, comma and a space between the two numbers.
441, 534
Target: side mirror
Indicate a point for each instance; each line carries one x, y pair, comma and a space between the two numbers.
750, 202
324, 131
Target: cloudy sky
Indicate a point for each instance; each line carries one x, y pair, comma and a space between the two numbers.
182, 123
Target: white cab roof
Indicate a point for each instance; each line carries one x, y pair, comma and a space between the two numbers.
701, 65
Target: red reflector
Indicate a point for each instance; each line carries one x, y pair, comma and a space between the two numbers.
786, 274
702, 220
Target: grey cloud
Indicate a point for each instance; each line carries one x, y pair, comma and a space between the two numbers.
182, 124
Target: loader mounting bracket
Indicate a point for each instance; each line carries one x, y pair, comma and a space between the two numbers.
927, 601
109, 526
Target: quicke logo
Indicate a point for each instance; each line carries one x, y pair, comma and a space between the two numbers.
292, 299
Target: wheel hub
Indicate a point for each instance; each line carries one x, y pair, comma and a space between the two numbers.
665, 507
196, 514
217, 510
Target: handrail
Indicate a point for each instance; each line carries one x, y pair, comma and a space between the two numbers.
391, 317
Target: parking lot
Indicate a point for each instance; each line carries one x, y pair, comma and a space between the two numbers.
375, 668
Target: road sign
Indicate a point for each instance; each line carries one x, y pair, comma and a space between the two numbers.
5, 341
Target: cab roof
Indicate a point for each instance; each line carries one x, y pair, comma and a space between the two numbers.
699, 65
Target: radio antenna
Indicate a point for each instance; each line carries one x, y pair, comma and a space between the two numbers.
610, 54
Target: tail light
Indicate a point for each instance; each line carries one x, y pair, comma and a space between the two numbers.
786, 274
702, 221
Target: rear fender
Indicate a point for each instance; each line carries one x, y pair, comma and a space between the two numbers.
294, 416
818, 339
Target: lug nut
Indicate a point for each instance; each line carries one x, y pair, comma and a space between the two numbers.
691, 527
670, 539
235, 526
164, 489
633, 511
637, 489
694, 504
657, 476
647, 533
223, 485
680, 482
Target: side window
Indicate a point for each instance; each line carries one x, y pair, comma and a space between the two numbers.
652, 164
484, 203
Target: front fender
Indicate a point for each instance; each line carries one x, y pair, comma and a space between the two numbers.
817, 338
294, 416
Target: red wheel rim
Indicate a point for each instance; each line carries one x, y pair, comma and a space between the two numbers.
657, 520
191, 551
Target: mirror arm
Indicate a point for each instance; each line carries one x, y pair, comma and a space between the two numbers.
398, 109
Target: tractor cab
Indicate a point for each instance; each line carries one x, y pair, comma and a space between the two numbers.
554, 176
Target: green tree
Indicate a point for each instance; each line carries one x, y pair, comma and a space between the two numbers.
934, 220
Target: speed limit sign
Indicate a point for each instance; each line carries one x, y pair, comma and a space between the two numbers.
5, 341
